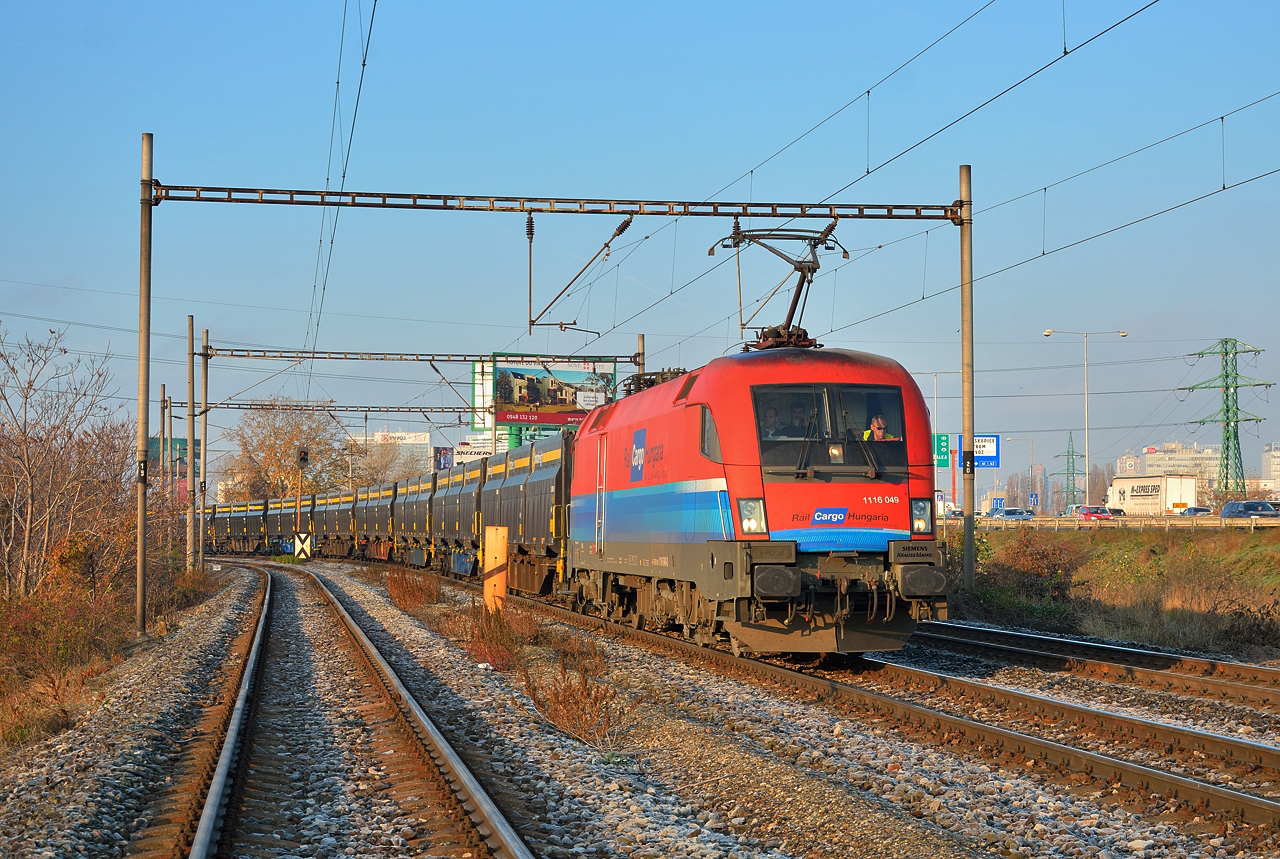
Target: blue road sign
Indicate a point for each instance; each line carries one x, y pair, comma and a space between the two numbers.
986, 450
1035, 499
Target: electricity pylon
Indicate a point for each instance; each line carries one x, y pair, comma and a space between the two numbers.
1230, 466
1070, 471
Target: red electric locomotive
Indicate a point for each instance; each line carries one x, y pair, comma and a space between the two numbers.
782, 498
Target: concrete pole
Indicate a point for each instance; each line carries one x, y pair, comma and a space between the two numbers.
1087, 502
168, 464
144, 381
204, 433
164, 447
966, 366
191, 443
939, 511
640, 353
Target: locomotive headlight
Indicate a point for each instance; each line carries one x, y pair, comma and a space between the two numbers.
751, 516
835, 454
921, 516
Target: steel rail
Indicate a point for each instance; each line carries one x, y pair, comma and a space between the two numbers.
1160, 679
207, 830
553, 205
501, 836
1236, 751
1098, 766
1237, 672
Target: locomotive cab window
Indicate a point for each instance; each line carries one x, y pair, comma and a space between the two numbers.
833, 428
710, 437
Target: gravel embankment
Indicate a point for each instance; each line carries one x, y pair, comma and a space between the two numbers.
735, 762
85, 791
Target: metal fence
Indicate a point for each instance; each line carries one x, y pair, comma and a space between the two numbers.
1167, 523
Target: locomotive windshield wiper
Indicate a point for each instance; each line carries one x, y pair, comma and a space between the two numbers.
801, 471
874, 466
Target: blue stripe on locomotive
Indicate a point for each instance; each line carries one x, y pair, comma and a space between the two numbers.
694, 511
828, 539
690, 511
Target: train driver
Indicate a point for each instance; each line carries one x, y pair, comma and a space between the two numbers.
878, 431
769, 428
798, 428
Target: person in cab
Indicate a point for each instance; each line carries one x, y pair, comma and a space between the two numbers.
878, 431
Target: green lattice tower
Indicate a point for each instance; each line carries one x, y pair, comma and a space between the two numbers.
1230, 465
1070, 471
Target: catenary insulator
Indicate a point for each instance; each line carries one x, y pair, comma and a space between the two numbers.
528, 227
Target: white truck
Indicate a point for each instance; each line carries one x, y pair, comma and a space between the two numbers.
1157, 495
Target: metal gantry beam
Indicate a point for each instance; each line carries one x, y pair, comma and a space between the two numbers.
556, 205
423, 357
330, 407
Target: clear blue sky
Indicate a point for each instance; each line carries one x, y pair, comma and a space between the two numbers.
660, 101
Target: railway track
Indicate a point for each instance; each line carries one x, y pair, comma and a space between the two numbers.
1253, 685
323, 747
1140, 786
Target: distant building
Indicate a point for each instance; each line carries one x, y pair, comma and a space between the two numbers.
1271, 461
1129, 465
412, 444
1174, 457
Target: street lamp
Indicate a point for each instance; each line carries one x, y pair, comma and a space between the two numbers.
1031, 470
1085, 335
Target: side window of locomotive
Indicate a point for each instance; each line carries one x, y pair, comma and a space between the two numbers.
710, 444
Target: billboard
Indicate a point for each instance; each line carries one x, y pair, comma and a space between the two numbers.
531, 390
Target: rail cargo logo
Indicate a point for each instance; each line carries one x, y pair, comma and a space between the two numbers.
829, 515
637, 456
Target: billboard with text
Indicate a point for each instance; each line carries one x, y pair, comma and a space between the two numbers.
532, 390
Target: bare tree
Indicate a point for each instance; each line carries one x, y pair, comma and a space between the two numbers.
64, 459
268, 440
384, 462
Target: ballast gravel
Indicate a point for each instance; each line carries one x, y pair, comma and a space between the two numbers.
85, 792
725, 765
714, 766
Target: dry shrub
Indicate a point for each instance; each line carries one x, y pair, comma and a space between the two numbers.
577, 702
411, 591
50, 644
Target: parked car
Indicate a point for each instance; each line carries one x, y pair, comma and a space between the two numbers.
955, 514
1196, 511
1016, 513
1092, 513
1249, 510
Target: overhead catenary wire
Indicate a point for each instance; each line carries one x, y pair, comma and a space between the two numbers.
913, 146
346, 161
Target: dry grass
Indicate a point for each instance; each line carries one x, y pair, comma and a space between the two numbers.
1210, 591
